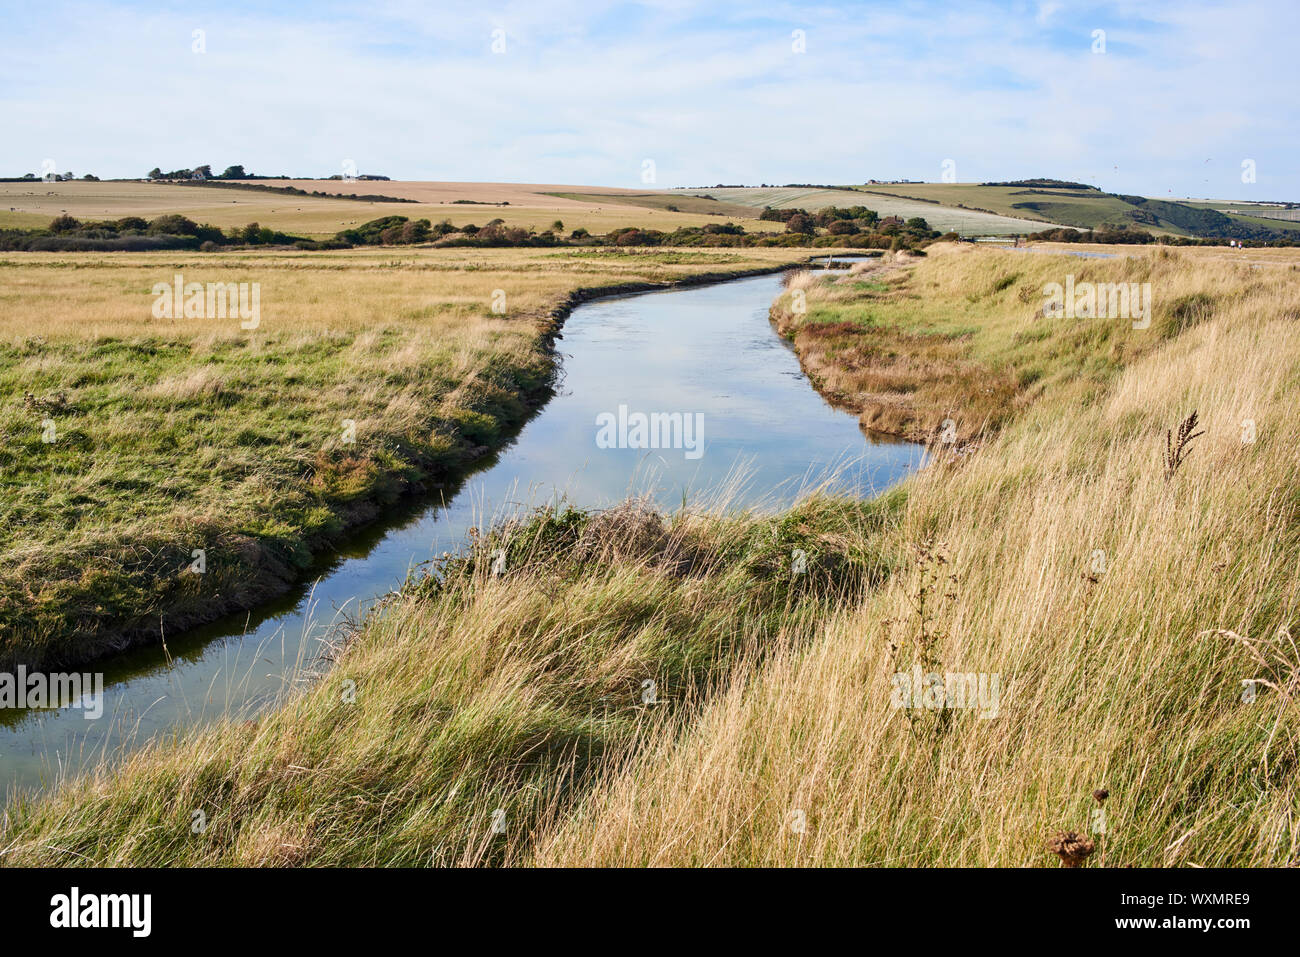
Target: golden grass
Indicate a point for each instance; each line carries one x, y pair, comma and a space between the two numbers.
92, 295
963, 339
1119, 683
476, 695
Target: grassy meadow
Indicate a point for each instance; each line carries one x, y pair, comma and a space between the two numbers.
130, 442
638, 689
964, 340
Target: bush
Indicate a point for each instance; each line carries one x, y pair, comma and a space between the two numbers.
800, 223
172, 224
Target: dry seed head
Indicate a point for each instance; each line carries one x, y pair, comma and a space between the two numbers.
1071, 847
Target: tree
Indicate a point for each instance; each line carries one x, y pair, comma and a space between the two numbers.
800, 223
155, 173
234, 172
172, 224
416, 232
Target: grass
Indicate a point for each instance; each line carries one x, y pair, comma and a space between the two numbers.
514, 692
178, 435
962, 338
772, 738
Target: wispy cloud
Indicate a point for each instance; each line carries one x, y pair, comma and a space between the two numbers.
583, 92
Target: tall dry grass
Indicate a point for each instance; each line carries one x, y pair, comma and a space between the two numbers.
1122, 679
483, 700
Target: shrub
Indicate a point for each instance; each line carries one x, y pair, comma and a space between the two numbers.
172, 224
800, 223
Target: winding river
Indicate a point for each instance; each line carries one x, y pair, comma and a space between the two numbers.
708, 352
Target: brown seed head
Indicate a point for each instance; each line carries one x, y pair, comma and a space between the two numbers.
1072, 848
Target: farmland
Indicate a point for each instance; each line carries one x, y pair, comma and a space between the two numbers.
35, 204
965, 208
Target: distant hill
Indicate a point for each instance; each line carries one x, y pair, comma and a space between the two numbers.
1087, 207
1002, 208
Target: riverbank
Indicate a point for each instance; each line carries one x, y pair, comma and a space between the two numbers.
631, 690
165, 473
949, 348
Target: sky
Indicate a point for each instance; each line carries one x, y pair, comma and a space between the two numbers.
1169, 99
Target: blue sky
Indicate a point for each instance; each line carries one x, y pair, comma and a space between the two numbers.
585, 92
